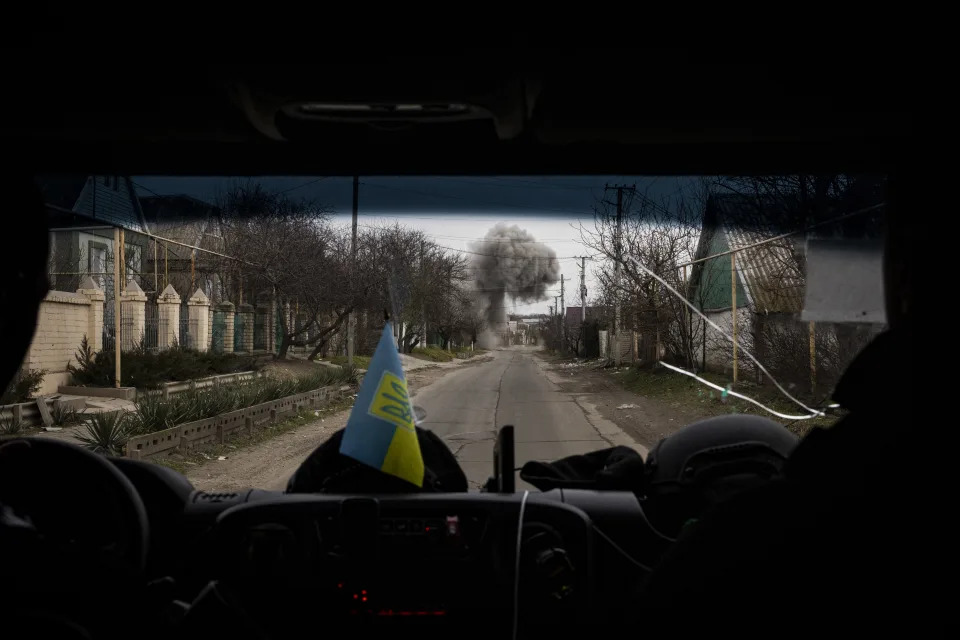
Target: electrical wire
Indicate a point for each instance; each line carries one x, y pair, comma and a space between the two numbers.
474, 200
516, 574
813, 412
305, 184
785, 235
620, 550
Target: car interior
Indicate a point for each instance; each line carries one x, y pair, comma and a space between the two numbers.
102, 547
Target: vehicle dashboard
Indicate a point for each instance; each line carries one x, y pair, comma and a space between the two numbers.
561, 561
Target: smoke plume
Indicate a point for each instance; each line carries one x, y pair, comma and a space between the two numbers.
510, 264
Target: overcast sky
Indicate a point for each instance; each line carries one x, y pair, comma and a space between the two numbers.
455, 211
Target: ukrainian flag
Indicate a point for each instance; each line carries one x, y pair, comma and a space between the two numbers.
380, 431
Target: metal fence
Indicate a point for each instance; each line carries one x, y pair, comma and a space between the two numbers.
259, 331
217, 331
239, 322
187, 339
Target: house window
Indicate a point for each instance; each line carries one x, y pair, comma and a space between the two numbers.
132, 258
97, 262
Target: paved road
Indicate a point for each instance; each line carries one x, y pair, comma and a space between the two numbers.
467, 405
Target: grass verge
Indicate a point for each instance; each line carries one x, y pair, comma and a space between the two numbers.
434, 354
678, 390
360, 362
189, 460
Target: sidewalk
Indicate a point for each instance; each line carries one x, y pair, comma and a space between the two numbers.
93, 405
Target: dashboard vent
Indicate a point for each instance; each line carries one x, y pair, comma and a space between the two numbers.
203, 496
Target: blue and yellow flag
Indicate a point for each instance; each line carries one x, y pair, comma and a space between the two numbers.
380, 431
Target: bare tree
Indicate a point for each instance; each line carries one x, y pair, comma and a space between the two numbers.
660, 235
418, 282
286, 248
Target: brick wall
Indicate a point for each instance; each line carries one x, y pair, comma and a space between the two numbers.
64, 319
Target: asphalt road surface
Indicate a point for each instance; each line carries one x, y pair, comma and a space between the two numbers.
466, 403
467, 406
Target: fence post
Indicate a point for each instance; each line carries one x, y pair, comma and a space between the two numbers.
97, 297
168, 314
246, 312
227, 309
198, 309
133, 310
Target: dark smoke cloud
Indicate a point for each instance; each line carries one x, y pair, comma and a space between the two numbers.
511, 264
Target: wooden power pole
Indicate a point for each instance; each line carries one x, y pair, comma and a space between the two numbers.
563, 317
618, 259
351, 319
116, 306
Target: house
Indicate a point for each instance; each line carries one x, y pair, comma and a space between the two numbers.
82, 213
764, 283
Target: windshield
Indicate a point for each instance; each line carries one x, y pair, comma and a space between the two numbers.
224, 326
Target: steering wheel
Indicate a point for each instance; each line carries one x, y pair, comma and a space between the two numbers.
65, 511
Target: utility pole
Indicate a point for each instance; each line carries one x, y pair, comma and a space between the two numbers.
351, 319
423, 299
583, 290
563, 316
618, 251
116, 305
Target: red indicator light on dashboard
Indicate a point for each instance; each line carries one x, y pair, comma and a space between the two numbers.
363, 592
355, 596
364, 598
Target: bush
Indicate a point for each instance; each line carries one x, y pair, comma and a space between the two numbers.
63, 415
145, 370
436, 354
11, 426
106, 433
23, 387
153, 413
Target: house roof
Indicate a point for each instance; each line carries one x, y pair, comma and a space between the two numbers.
74, 200
771, 273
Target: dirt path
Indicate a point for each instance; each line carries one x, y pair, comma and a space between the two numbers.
270, 464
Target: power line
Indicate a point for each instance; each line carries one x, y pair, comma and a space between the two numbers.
447, 195
785, 235
519, 184
301, 186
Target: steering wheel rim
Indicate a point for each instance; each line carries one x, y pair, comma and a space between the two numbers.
94, 468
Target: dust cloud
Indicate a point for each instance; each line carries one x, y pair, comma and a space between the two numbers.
509, 264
